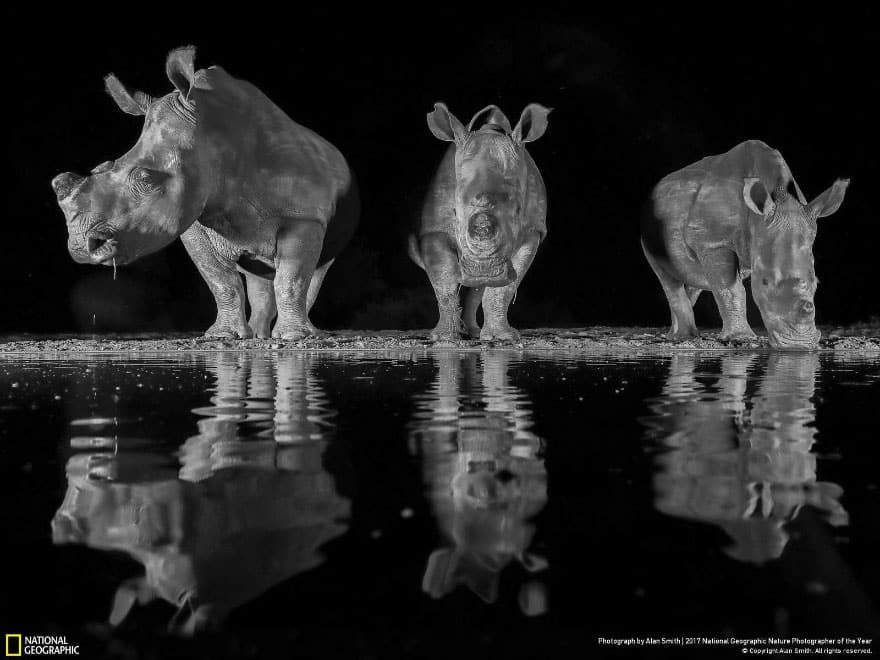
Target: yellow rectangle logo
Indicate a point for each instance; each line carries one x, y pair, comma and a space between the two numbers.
9, 652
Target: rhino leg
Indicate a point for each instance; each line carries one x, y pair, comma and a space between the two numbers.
693, 293
496, 300
440, 260
261, 296
722, 272
222, 278
297, 250
681, 300
472, 302
315, 288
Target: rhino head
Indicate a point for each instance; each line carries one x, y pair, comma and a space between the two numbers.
495, 492
491, 176
143, 200
784, 281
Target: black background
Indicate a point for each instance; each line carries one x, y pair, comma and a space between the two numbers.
636, 94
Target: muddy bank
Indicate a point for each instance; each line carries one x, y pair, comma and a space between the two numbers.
860, 338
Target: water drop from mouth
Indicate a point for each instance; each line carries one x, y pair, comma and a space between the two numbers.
114, 269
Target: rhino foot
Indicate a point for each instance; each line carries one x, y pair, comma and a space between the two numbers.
262, 328
225, 330
504, 333
293, 332
444, 334
472, 331
683, 335
739, 336
449, 328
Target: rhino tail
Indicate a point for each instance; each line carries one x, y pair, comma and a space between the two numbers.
413, 250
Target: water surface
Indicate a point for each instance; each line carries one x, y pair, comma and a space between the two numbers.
428, 504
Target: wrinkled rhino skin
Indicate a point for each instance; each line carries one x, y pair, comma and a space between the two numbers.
482, 220
732, 216
246, 189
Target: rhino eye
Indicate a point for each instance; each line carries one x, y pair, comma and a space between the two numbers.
145, 180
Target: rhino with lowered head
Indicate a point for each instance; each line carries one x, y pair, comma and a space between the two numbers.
246, 189
483, 219
725, 218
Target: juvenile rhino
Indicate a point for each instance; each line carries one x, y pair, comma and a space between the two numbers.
725, 218
244, 187
483, 219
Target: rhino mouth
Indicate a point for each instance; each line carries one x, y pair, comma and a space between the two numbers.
486, 272
101, 245
803, 339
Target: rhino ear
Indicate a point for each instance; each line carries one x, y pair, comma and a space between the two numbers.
757, 198
532, 123
444, 125
830, 200
136, 103
491, 114
180, 69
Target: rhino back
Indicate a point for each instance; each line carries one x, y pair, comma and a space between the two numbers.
702, 205
278, 166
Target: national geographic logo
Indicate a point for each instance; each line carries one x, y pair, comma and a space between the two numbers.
18, 645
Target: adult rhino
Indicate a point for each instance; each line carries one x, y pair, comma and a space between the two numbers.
483, 218
245, 188
713, 224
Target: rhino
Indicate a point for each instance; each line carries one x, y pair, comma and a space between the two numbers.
206, 547
245, 188
485, 476
733, 216
247, 505
483, 219
739, 457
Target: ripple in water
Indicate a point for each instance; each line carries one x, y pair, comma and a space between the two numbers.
737, 434
243, 505
485, 476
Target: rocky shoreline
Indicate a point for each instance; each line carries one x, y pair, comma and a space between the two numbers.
860, 338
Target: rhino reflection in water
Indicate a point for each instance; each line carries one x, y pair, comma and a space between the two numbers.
249, 506
485, 476
245, 188
739, 459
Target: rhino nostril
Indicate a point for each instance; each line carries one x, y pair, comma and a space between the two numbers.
807, 307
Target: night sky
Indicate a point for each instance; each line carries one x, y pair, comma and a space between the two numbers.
635, 96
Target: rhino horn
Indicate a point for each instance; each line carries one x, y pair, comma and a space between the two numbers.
127, 594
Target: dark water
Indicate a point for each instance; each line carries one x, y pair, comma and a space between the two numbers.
406, 504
